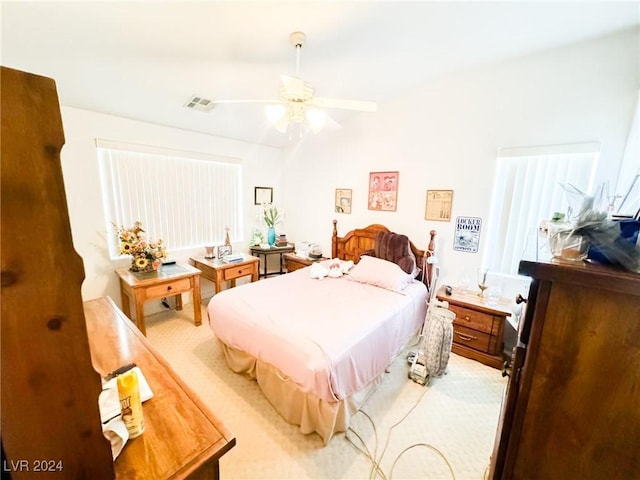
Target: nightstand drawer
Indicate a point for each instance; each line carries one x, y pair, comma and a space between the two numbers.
173, 288
472, 338
240, 271
468, 318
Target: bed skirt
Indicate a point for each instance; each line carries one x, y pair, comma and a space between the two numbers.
309, 412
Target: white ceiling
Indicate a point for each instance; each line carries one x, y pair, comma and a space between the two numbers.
142, 60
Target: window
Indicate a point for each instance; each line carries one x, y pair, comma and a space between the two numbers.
527, 189
186, 199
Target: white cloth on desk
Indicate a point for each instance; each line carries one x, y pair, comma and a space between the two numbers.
113, 428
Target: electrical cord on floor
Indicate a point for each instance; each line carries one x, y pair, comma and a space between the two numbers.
431, 447
376, 469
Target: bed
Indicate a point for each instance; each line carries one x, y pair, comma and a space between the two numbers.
319, 347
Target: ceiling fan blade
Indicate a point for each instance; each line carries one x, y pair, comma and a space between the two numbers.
292, 82
331, 124
360, 105
245, 101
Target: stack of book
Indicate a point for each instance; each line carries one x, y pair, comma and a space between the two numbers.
232, 258
281, 241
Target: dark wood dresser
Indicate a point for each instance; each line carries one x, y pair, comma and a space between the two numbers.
478, 327
572, 404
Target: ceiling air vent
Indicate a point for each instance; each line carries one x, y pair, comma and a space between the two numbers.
198, 102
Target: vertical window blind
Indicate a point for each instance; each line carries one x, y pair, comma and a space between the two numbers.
527, 189
187, 200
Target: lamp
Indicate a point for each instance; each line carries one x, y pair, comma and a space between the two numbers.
285, 115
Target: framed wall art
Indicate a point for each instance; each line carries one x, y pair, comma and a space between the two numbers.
383, 191
438, 206
467, 236
262, 195
343, 200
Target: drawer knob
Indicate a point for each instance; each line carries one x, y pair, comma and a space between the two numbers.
169, 288
467, 318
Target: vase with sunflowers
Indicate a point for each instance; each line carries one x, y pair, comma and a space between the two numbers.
271, 217
147, 255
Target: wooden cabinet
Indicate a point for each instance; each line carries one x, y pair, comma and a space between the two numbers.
571, 407
478, 327
50, 417
293, 262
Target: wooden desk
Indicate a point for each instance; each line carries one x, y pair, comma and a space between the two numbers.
265, 252
218, 271
182, 438
292, 262
169, 280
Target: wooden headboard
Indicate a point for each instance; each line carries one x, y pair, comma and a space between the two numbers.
351, 246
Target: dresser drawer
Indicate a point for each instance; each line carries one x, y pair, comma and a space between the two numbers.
473, 339
236, 272
468, 318
172, 288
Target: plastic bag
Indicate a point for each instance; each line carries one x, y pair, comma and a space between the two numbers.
589, 219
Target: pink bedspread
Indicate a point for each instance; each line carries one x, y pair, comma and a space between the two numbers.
331, 336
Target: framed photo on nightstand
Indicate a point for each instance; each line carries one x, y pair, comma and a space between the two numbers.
224, 250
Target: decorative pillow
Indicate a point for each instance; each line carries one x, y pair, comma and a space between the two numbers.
381, 273
394, 247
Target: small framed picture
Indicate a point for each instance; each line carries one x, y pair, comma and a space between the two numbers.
343, 200
467, 235
224, 250
438, 205
383, 191
262, 195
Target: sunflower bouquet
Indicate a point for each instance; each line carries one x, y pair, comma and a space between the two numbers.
147, 255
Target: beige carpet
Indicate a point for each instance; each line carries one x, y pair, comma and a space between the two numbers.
455, 415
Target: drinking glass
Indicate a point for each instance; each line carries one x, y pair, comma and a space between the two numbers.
482, 280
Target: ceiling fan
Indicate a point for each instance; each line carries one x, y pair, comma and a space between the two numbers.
297, 103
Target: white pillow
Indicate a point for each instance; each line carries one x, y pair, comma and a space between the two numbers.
381, 273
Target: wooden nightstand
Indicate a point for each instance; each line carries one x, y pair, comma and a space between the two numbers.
293, 262
218, 271
167, 281
478, 328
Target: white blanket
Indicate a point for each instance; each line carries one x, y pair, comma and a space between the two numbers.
330, 336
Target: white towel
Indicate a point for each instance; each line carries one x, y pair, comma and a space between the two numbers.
113, 428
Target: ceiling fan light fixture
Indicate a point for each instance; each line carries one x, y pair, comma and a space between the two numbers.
298, 109
275, 113
316, 118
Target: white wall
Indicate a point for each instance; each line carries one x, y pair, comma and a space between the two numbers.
260, 166
445, 135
